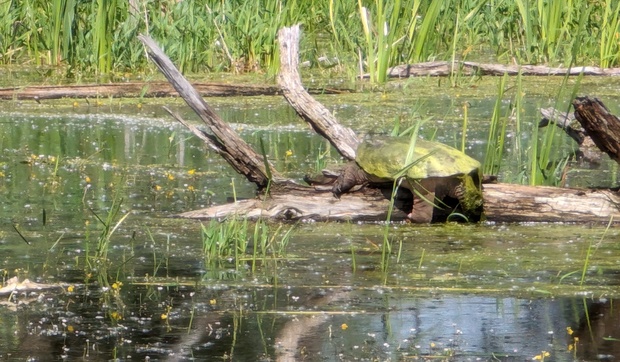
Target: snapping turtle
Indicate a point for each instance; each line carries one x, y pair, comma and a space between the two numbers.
443, 180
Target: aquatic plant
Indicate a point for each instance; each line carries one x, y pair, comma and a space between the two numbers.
229, 241
497, 133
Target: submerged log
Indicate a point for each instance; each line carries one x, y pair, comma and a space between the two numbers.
290, 201
145, 90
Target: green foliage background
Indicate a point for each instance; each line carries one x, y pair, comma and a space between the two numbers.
97, 37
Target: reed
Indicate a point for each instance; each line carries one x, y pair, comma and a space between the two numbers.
610, 30
230, 241
497, 133
99, 37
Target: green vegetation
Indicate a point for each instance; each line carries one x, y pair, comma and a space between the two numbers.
230, 241
99, 37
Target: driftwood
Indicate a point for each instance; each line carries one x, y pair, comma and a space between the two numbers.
145, 90
600, 125
444, 68
290, 201
221, 137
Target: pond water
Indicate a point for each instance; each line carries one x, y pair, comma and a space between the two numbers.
87, 195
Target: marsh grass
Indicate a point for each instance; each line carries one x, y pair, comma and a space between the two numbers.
235, 241
99, 37
497, 132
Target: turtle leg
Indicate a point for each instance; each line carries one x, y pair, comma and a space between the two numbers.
423, 199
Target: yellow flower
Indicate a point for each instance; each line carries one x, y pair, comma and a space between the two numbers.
117, 285
191, 172
116, 316
213, 302
87, 179
170, 176
70, 328
190, 188
70, 289
344, 326
157, 187
569, 330
164, 316
75, 104
288, 153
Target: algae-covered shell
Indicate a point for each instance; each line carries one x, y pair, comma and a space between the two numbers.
384, 157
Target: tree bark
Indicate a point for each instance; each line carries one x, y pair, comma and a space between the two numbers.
600, 125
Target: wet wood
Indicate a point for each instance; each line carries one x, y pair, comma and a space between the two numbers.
444, 68
146, 90
313, 112
600, 125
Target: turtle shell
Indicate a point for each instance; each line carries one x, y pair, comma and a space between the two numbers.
384, 157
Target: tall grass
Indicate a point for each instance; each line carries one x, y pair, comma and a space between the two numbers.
99, 37
497, 133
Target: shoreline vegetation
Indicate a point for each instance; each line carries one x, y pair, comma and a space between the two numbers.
98, 39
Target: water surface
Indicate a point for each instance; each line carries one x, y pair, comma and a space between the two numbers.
450, 292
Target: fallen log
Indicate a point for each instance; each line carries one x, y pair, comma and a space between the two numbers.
290, 201
502, 203
444, 68
145, 90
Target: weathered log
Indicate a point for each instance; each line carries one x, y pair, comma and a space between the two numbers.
502, 203
146, 90
517, 203
222, 137
319, 117
307, 204
288, 201
444, 68
600, 125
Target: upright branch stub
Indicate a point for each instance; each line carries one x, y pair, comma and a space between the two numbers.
224, 139
313, 112
602, 126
